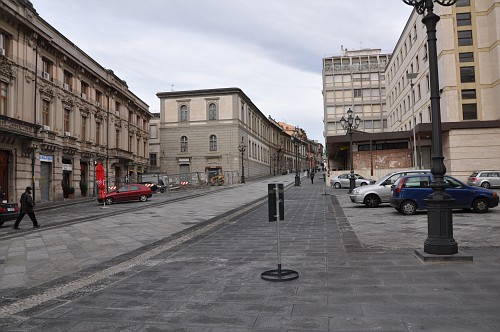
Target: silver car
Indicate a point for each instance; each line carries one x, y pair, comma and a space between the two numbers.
380, 192
343, 181
485, 179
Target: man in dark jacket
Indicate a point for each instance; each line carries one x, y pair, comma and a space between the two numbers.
27, 206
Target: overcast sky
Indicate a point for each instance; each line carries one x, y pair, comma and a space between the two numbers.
271, 49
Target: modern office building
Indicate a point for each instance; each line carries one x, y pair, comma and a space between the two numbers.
469, 82
353, 80
210, 132
61, 112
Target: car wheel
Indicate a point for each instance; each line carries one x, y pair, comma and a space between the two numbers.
408, 207
109, 200
480, 205
363, 183
1, 223
337, 185
143, 198
486, 185
372, 201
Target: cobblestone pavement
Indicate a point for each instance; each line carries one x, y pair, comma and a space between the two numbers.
194, 265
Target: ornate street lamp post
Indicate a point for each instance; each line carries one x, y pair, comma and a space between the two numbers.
440, 239
411, 77
242, 147
274, 164
296, 140
349, 125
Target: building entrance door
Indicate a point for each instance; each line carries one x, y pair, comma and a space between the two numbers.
45, 180
4, 173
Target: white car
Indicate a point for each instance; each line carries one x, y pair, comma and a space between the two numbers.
343, 181
380, 192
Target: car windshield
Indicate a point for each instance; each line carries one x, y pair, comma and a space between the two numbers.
382, 180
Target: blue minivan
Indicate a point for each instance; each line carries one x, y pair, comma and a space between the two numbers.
408, 194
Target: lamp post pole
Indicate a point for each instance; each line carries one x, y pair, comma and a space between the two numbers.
296, 140
412, 76
349, 125
242, 148
440, 239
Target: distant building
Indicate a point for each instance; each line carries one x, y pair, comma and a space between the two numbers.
61, 112
202, 131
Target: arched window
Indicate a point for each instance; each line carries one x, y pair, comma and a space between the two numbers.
184, 144
184, 113
213, 143
212, 111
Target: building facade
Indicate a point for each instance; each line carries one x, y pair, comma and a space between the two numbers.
469, 82
61, 112
220, 131
356, 80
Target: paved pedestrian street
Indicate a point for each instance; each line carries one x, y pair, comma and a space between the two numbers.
195, 265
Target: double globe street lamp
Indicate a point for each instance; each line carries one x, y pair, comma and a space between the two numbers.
440, 239
350, 124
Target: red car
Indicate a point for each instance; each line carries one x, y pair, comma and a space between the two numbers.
128, 192
8, 211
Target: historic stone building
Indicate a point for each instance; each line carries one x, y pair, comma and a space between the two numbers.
61, 112
203, 132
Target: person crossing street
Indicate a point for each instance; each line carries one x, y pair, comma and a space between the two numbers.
27, 206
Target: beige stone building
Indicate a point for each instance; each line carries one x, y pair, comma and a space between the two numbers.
201, 132
60, 112
469, 82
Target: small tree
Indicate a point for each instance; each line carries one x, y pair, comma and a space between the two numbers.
84, 188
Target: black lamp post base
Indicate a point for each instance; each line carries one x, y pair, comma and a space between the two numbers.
297, 181
352, 183
440, 239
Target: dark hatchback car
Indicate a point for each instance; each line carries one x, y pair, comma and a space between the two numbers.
128, 192
8, 211
155, 187
408, 194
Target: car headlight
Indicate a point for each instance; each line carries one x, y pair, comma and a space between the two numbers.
355, 191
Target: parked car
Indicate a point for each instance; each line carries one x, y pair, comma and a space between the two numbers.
374, 194
128, 192
409, 194
8, 211
485, 179
343, 181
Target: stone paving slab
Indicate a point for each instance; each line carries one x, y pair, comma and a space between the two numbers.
348, 281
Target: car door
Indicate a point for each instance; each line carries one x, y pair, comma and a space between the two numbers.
495, 179
461, 194
122, 194
344, 180
385, 188
417, 188
134, 193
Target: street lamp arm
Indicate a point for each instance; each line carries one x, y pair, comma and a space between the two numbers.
421, 5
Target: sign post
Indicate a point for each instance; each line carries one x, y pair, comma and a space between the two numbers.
276, 201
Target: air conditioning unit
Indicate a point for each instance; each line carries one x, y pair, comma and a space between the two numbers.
65, 86
98, 104
2, 51
67, 133
45, 127
46, 76
84, 96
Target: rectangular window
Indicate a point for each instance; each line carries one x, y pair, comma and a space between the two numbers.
466, 57
97, 133
117, 139
3, 99
68, 81
467, 75
463, 19
463, 3
152, 159
47, 69
153, 131
130, 116
469, 94
464, 37
45, 112
85, 90
469, 111
357, 93
84, 128
98, 98
67, 117
130, 143
3, 44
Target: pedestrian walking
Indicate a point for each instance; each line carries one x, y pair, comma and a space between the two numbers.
2, 194
312, 177
27, 206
